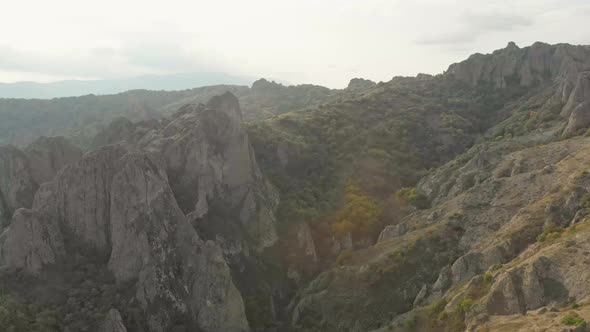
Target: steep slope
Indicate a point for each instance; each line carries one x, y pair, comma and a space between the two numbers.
462, 256
370, 146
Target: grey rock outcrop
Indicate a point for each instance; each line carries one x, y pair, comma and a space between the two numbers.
305, 242
213, 173
113, 322
21, 172
138, 206
360, 84
119, 202
523, 66
578, 105
153, 242
47, 155
17, 186
32, 241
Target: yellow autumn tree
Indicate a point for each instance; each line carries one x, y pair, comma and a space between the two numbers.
358, 215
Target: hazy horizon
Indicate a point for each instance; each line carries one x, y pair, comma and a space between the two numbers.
325, 43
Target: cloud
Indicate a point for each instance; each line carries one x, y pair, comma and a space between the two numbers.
131, 59
473, 26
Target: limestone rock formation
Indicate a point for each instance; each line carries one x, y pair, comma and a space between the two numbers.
523, 66
113, 322
17, 186
119, 202
122, 204
22, 171
578, 105
32, 241
360, 84
47, 155
213, 173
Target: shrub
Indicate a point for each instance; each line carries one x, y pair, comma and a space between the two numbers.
344, 257
550, 232
465, 305
411, 322
572, 318
413, 197
496, 267
437, 307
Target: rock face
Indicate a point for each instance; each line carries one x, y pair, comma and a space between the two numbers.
119, 202
523, 66
21, 172
213, 173
17, 186
138, 206
47, 155
113, 322
360, 84
578, 105
32, 241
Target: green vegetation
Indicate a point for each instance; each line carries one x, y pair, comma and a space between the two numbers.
413, 197
465, 305
411, 323
550, 233
17, 316
572, 318
383, 139
436, 308
344, 257
77, 299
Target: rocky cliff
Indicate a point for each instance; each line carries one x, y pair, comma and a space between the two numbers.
147, 206
22, 171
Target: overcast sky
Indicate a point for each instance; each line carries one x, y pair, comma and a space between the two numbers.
324, 42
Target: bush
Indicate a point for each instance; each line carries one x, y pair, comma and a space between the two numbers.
550, 232
413, 197
344, 257
465, 305
411, 322
496, 267
437, 307
572, 318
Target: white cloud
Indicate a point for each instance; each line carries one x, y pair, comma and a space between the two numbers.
300, 41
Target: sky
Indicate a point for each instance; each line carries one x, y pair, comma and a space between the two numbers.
324, 42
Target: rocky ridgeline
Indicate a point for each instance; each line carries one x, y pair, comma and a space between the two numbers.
146, 206
566, 66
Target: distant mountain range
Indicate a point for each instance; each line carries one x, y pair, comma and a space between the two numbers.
72, 88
